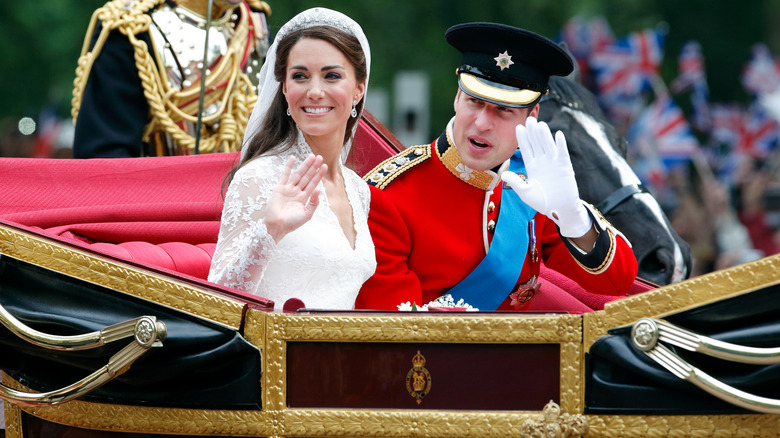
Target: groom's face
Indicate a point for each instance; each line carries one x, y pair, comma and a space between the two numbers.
484, 132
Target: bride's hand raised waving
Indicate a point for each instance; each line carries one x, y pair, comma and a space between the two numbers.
295, 197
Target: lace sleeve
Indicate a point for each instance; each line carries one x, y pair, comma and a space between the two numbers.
244, 246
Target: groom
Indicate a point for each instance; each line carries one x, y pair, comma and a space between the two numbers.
474, 213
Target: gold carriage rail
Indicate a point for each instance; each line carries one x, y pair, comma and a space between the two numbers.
146, 332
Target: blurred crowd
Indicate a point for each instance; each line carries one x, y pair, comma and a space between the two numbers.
713, 167
727, 224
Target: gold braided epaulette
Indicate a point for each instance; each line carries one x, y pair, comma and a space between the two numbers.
130, 16
259, 5
390, 169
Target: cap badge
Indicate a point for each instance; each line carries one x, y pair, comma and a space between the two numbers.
503, 60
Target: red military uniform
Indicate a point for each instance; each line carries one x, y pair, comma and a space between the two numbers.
432, 220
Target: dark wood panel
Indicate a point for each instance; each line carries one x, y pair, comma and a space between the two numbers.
462, 376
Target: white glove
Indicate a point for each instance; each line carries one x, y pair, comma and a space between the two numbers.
550, 187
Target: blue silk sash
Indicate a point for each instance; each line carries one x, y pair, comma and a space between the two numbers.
488, 285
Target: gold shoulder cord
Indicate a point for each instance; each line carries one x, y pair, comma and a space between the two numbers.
169, 107
260, 5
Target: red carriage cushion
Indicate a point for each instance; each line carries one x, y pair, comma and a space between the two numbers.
164, 212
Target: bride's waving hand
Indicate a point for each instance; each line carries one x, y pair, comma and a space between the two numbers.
295, 197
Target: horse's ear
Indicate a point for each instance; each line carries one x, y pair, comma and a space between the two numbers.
575, 74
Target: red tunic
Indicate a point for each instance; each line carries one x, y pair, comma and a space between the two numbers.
431, 229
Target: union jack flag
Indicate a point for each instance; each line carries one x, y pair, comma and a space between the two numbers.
583, 36
663, 131
690, 64
726, 120
692, 76
620, 109
761, 74
757, 135
630, 64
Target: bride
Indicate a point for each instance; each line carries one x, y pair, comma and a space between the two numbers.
301, 231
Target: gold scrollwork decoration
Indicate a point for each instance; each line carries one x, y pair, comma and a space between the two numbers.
555, 424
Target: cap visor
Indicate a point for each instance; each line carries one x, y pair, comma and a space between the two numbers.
499, 94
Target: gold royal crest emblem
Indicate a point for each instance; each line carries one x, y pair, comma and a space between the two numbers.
418, 379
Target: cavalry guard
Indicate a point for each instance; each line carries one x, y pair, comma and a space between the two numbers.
144, 88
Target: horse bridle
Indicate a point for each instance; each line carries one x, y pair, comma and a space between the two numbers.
620, 195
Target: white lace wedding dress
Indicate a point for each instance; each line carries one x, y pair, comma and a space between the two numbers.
314, 263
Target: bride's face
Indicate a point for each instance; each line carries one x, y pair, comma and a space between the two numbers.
320, 86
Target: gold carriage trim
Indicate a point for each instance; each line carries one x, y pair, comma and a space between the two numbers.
553, 422
146, 285
575, 334
386, 171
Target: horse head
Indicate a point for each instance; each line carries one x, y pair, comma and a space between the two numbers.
605, 179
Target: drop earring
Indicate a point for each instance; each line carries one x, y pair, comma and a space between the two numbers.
288, 111
354, 111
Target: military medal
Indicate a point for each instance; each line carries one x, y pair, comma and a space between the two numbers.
524, 293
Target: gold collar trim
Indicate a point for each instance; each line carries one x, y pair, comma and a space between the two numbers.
484, 180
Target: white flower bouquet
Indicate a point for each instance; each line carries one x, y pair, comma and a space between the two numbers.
444, 303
